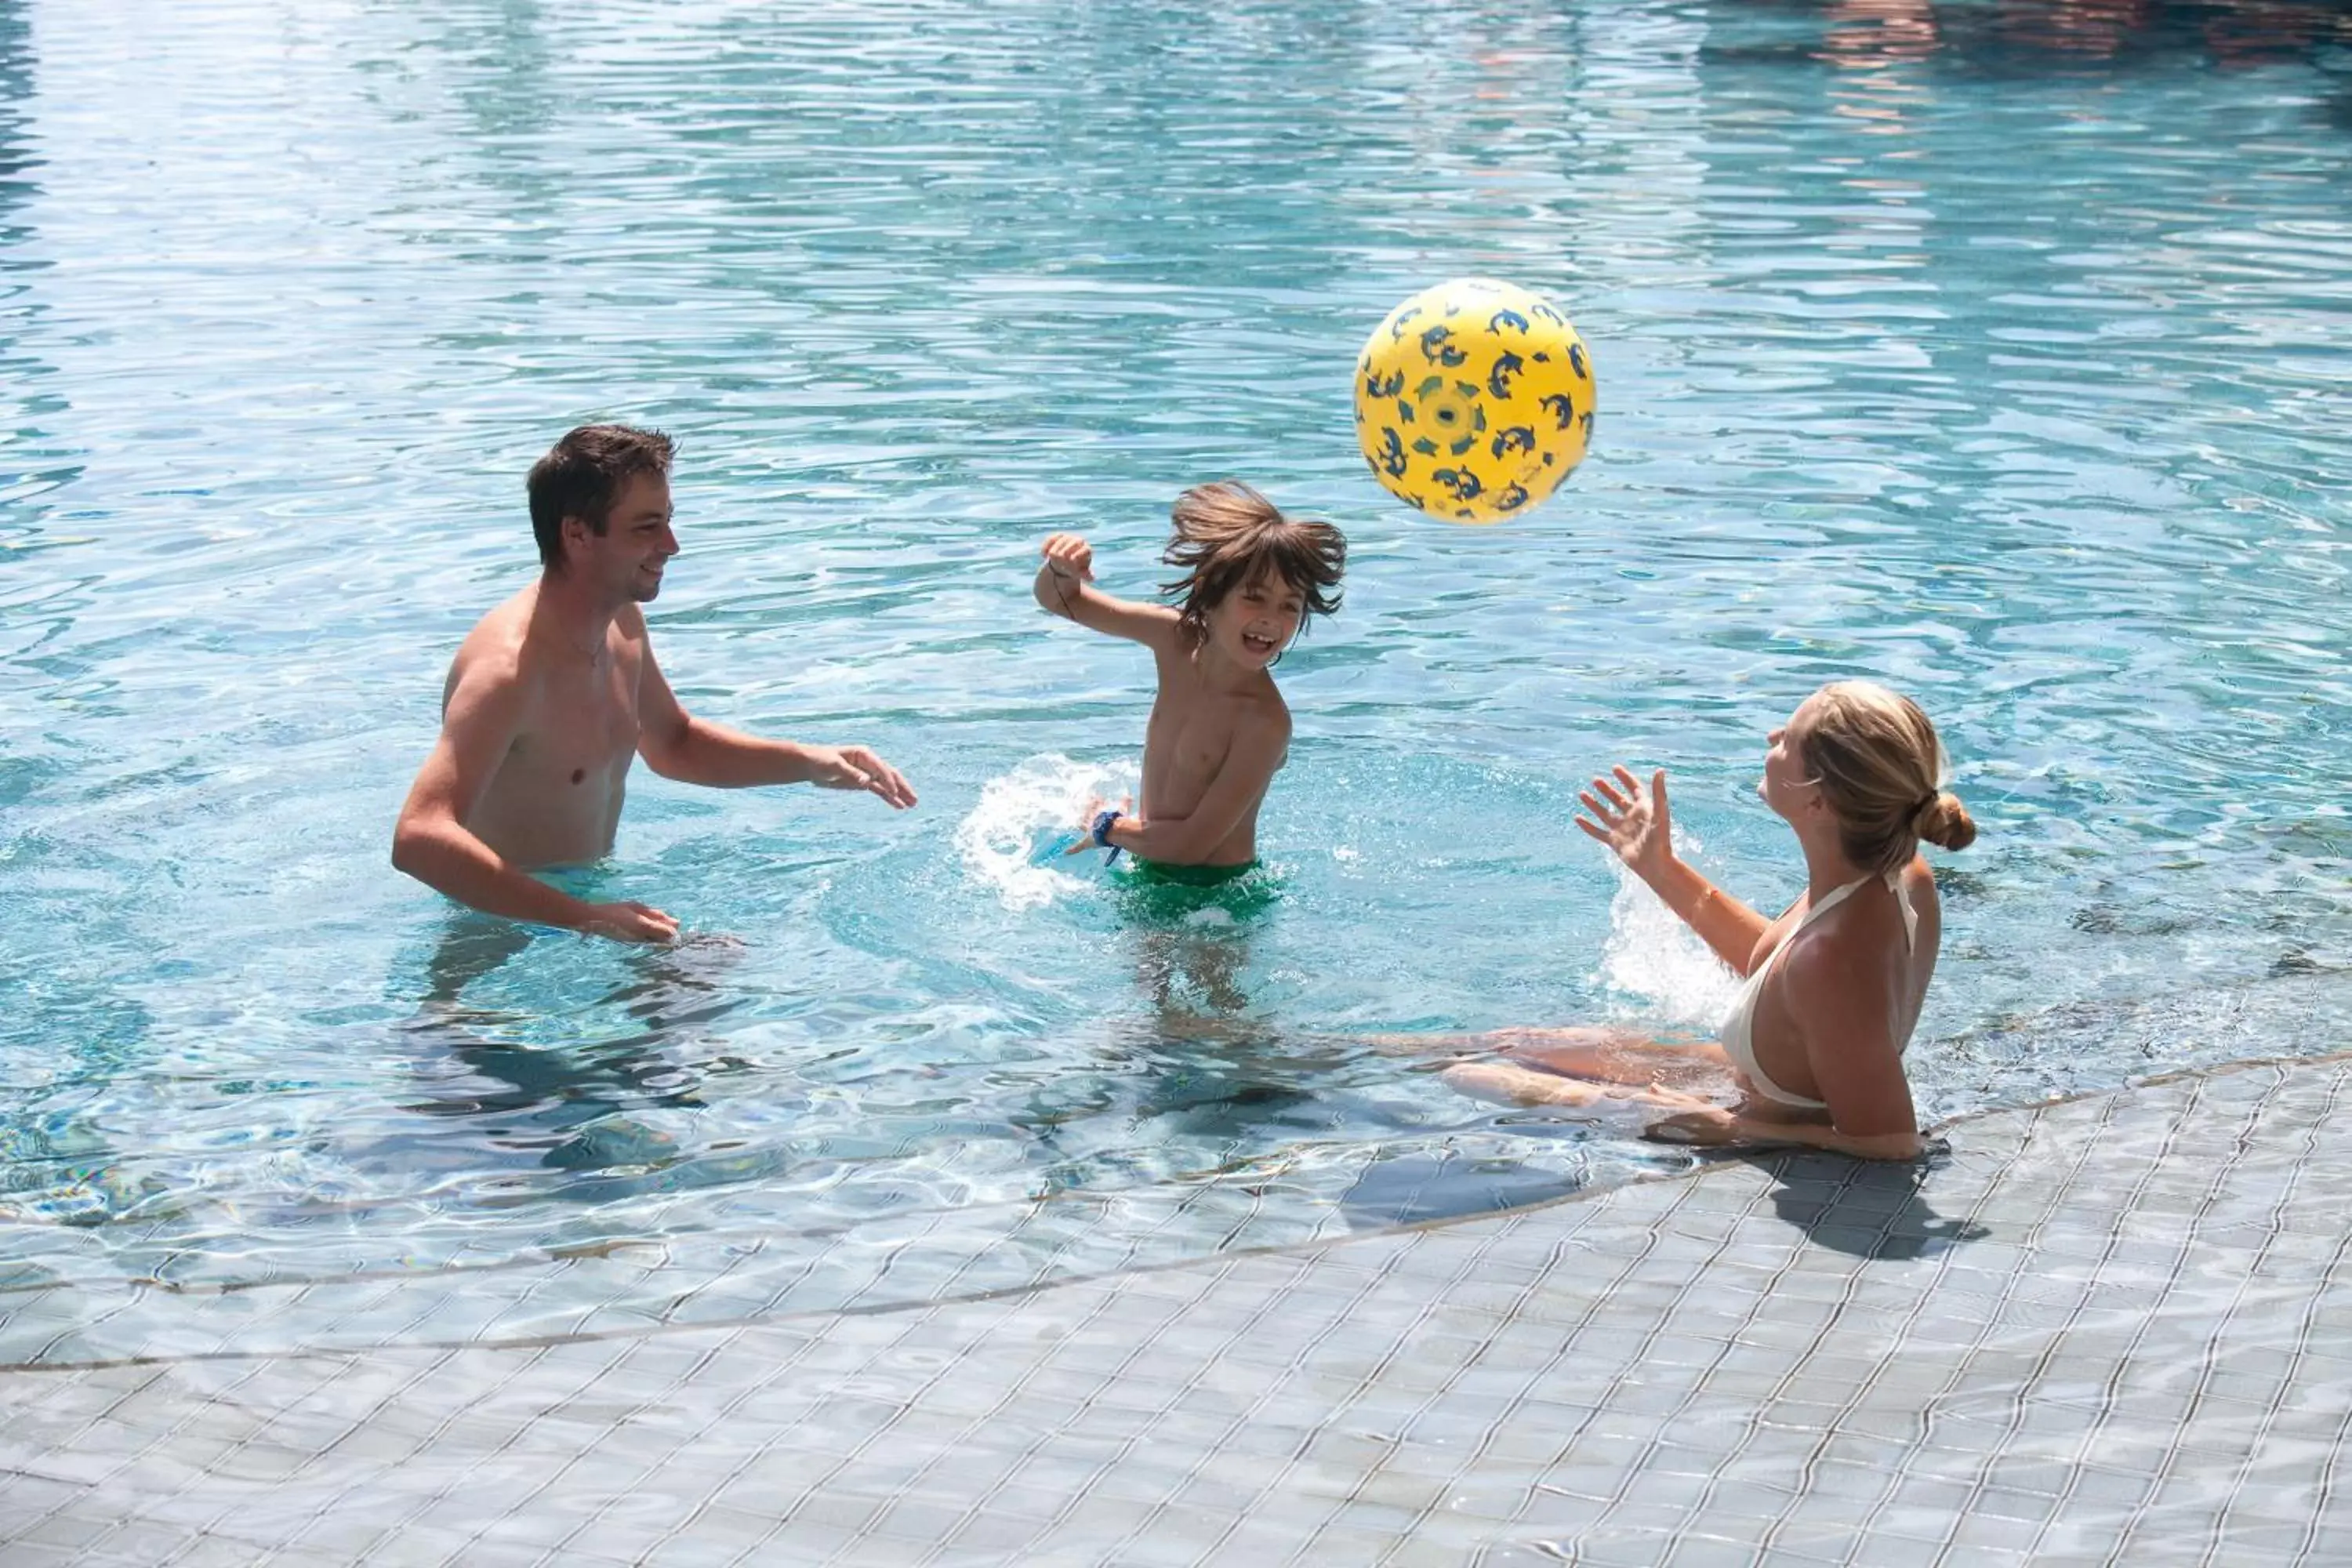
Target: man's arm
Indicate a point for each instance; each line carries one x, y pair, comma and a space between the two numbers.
432, 843
679, 746
1249, 766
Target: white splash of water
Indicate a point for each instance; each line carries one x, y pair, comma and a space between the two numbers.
1659, 964
1012, 840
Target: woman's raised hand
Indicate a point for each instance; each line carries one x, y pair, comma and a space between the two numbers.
1632, 821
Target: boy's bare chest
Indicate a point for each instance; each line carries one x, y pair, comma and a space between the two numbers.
1187, 742
1195, 733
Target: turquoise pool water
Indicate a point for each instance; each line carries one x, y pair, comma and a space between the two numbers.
1994, 350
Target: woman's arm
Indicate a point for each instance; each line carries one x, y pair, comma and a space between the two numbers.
1715, 1127
1722, 921
1638, 825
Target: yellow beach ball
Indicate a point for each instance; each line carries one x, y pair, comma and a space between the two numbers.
1473, 400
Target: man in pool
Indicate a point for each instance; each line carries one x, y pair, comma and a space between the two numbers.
556, 690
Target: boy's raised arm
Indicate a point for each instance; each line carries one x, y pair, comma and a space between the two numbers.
1065, 588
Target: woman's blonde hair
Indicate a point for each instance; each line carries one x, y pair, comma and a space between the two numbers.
1880, 768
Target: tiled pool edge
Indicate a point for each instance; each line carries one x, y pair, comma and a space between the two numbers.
2136, 1356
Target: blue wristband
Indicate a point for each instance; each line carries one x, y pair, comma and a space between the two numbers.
1100, 834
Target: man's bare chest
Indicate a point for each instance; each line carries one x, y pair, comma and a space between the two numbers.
580, 723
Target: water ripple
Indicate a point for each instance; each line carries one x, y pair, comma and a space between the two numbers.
291, 295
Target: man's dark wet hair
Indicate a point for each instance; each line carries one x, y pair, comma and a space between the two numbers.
581, 477
1228, 536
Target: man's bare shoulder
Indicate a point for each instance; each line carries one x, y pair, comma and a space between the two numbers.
495, 653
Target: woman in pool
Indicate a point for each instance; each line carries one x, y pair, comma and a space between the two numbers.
1815, 1041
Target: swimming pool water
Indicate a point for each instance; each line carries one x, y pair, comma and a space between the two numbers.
1991, 350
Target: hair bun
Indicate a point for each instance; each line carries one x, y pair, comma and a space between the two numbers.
1943, 821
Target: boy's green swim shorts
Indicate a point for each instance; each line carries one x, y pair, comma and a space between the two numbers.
1156, 890
1161, 874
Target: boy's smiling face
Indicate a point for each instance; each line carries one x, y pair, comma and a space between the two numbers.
1256, 621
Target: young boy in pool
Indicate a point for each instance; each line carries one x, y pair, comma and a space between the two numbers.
1218, 729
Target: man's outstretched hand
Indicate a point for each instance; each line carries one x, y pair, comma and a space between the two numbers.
856, 767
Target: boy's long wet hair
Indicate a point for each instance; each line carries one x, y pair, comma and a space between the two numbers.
1228, 536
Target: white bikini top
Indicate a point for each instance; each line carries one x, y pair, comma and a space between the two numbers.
1739, 1023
